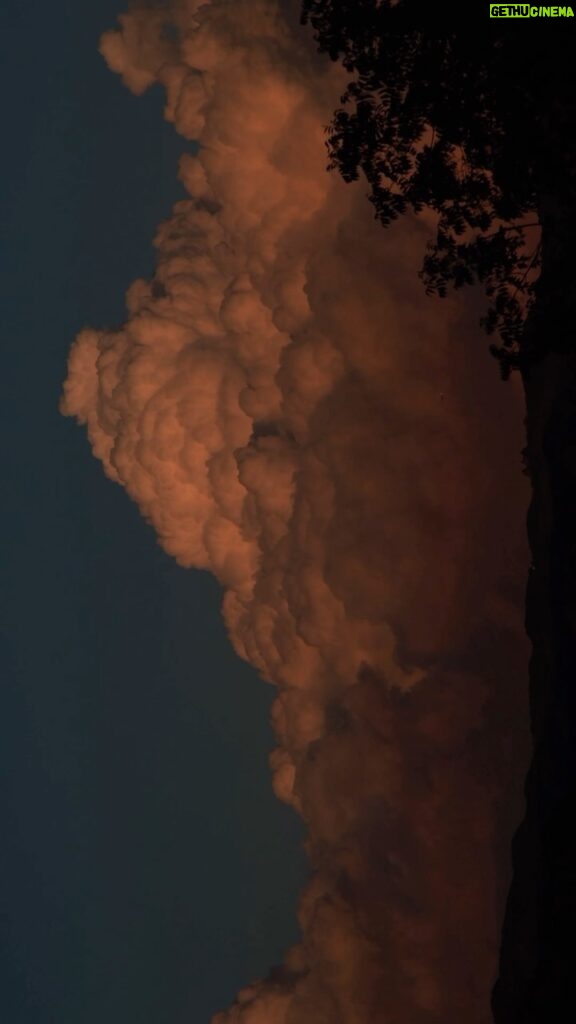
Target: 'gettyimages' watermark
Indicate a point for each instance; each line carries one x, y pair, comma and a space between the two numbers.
527, 11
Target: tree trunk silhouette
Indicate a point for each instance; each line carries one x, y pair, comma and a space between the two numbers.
536, 980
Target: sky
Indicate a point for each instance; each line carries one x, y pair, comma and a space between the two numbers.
325, 479
126, 722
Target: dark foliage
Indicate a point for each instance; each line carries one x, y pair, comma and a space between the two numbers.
474, 121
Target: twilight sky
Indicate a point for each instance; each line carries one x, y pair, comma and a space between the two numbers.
291, 413
141, 841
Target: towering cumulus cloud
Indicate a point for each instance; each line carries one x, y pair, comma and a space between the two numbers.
291, 412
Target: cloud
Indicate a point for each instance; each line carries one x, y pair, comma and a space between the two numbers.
290, 412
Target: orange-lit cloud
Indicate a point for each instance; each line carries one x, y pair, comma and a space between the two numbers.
290, 412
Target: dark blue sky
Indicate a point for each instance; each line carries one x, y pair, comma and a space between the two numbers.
146, 869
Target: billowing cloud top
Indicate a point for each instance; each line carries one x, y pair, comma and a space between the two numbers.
290, 412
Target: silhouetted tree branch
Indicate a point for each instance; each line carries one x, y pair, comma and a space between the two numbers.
472, 122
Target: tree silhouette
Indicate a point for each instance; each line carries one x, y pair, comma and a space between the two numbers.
475, 123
